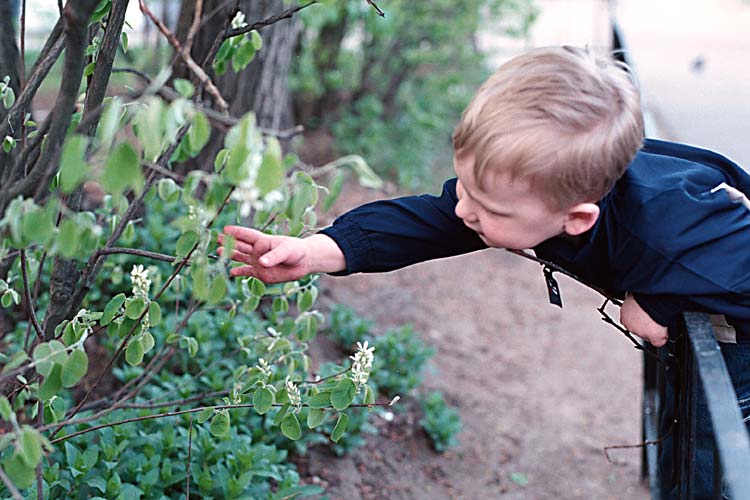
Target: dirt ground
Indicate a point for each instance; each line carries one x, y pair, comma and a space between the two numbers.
541, 390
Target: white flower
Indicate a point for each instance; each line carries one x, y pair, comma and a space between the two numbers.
295, 398
239, 21
362, 363
141, 283
263, 367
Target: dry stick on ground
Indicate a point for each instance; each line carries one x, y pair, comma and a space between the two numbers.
187, 58
195, 410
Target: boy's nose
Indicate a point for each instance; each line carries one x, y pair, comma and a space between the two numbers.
463, 211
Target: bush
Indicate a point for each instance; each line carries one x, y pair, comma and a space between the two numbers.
441, 422
392, 88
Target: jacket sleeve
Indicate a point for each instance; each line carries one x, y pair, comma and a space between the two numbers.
391, 234
708, 271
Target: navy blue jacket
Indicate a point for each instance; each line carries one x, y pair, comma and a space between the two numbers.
662, 235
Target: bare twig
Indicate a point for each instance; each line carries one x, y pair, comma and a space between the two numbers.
380, 12
184, 53
190, 451
27, 294
286, 14
185, 412
321, 380
9, 484
194, 27
639, 445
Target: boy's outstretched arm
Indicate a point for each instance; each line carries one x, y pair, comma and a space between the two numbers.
277, 259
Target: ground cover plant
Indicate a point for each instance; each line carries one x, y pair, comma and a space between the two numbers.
131, 366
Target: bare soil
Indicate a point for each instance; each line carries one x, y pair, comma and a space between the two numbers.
541, 390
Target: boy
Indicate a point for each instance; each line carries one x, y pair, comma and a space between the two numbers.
550, 155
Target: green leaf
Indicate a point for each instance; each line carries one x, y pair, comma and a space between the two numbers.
112, 308
21, 474
6, 299
185, 243
205, 414
280, 305
134, 352
5, 409
257, 287
334, 190
198, 134
192, 345
135, 307
47, 354
271, 172
89, 69
221, 158
68, 238
340, 427
290, 427
109, 124
263, 400
9, 97
369, 395
201, 282
305, 300
148, 342
73, 166
308, 326
122, 169
184, 87
37, 226
124, 42
343, 394
51, 385
74, 368
320, 400
220, 424
519, 478
242, 56
282, 412
168, 189
315, 417
256, 39
154, 313
30, 450
218, 290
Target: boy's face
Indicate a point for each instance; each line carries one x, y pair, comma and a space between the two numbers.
508, 213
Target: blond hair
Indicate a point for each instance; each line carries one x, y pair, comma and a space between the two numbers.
569, 121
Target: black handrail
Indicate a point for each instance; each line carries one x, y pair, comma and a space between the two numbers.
700, 360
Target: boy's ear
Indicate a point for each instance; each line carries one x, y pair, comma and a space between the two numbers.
581, 218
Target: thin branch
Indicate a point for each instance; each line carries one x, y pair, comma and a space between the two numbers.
287, 14
190, 452
27, 293
320, 381
11, 487
194, 27
380, 12
186, 57
639, 445
185, 412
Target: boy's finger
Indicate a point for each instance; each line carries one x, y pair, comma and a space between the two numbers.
244, 258
242, 271
245, 234
276, 256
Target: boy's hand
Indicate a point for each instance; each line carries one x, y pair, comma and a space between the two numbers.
277, 259
635, 319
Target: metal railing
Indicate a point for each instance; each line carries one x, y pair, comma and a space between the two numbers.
697, 362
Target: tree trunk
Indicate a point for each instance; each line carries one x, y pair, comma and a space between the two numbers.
262, 87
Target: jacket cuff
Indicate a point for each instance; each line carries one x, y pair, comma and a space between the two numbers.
354, 244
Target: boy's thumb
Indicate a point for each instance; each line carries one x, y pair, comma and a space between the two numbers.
275, 256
